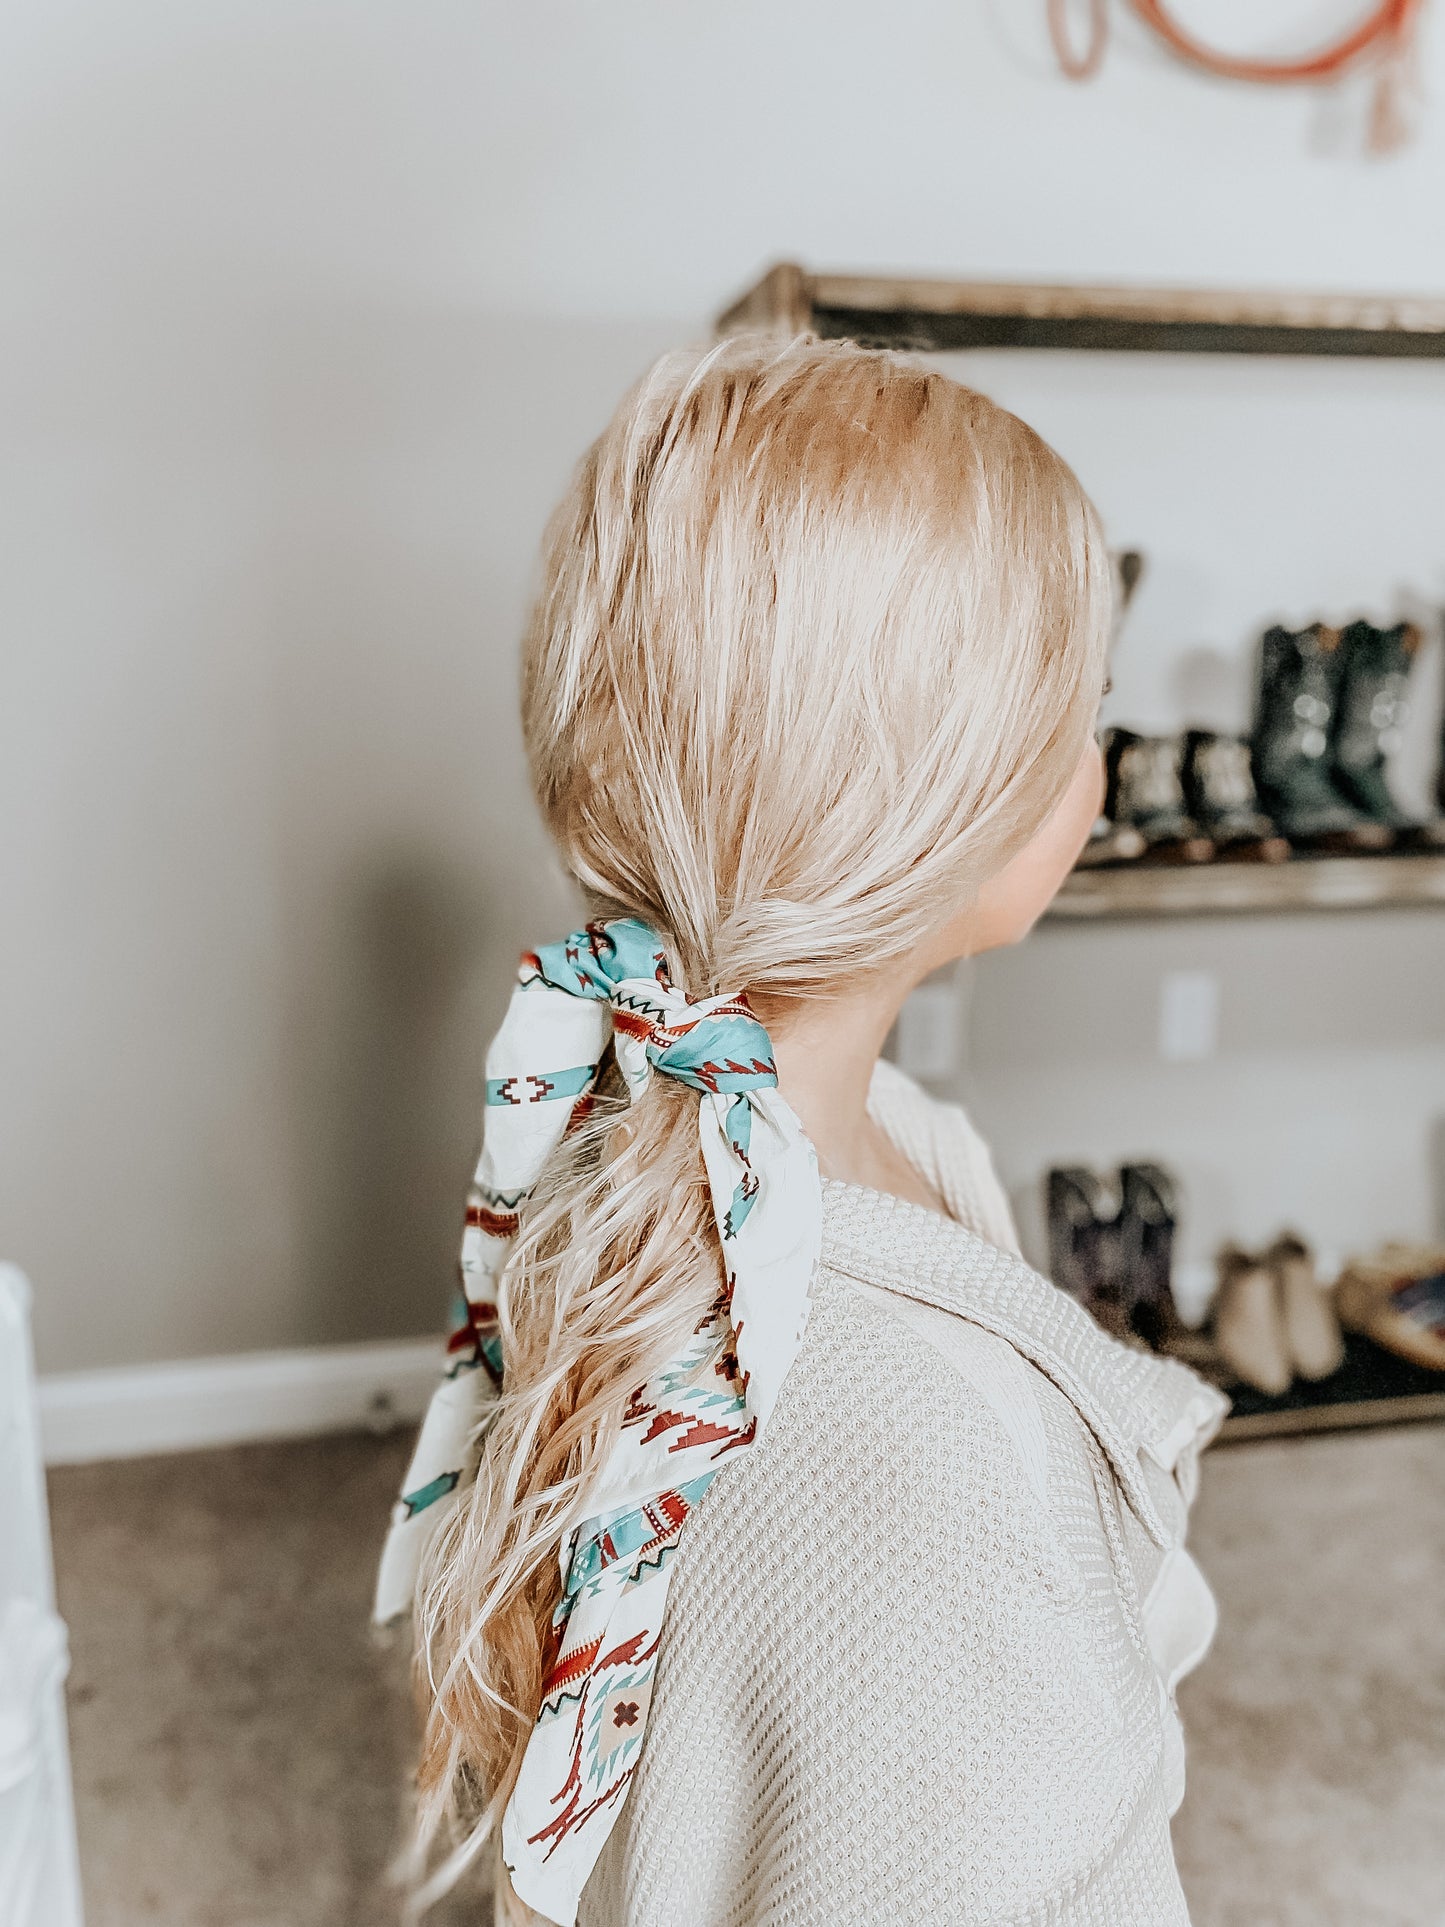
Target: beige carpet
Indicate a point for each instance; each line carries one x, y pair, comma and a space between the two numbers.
1317, 1725
239, 1746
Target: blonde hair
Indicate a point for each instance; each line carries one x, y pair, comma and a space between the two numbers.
818, 649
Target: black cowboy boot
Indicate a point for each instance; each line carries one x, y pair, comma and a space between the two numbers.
1148, 1220
1083, 1211
1147, 795
1220, 794
1299, 679
1369, 720
1110, 841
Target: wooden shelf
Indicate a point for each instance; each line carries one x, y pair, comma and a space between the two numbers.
1423, 1408
1372, 1387
1236, 889
921, 314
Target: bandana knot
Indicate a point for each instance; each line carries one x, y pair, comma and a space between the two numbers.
715, 1044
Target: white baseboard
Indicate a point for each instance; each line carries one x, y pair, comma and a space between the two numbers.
124, 1411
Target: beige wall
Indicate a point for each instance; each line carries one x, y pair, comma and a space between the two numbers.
275, 851
306, 309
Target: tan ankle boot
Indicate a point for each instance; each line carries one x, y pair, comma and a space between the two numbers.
1249, 1321
1311, 1328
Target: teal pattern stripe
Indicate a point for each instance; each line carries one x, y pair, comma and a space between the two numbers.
428, 1494
635, 1533
541, 1089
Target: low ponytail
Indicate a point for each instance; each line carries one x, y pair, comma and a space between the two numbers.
819, 645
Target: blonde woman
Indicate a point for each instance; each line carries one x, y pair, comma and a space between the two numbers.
790, 1552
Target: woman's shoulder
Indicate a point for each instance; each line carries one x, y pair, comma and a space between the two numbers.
875, 1606
937, 1401
983, 1369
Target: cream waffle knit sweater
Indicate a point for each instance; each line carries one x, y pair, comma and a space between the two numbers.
921, 1643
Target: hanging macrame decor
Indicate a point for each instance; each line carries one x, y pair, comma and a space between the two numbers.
1383, 38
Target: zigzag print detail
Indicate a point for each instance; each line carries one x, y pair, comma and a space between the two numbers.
656, 1559
559, 1687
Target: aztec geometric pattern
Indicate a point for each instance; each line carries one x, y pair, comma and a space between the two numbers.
611, 983
596, 1696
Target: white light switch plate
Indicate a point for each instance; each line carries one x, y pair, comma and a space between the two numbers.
1188, 1016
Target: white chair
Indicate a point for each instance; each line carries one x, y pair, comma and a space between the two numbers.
39, 1872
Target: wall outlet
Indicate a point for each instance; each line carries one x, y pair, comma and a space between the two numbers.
928, 1040
1188, 1016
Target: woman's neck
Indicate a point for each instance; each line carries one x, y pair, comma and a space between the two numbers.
826, 1049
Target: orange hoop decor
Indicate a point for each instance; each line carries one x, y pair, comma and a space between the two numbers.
1388, 24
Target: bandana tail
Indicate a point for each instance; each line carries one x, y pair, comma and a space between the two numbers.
763, 1177
771, 1247
541, 1069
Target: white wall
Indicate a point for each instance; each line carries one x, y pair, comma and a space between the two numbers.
306, 309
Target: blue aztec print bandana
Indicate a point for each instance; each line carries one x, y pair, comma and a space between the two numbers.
611, 983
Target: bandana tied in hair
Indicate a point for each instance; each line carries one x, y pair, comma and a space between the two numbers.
611, 983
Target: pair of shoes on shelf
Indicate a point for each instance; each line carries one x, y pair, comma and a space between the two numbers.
1273, 1321
1397, 1299
1331, 707
1180, 799
1111, 1246
1218, 782
1112, 840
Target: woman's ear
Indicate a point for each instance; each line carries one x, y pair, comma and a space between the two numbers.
1011, 903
